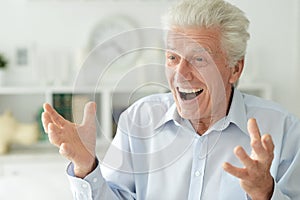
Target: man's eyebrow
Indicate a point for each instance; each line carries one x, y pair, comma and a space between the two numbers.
168, 47
197, 50
202, 49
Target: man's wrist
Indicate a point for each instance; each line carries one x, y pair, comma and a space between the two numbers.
82, 171
266, 196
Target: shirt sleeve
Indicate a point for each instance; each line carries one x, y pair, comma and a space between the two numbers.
286, 169
94, 186
277, 194
288, 165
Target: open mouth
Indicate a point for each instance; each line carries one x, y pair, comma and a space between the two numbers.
189, 94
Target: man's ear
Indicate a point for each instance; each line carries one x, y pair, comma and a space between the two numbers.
236, 71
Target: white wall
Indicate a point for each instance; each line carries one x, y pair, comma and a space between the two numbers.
61, 27
273, 53
274, 47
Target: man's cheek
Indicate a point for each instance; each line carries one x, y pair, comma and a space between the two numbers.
169, 72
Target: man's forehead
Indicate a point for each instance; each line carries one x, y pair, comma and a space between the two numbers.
181, 43
197, 49
197, 39
175, 35
179, 38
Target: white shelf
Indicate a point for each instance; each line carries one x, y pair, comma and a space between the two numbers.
25, 102
45, 148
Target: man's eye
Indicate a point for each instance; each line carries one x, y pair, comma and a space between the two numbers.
199, 59
171, 57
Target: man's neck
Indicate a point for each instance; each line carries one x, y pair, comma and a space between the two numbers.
202, 125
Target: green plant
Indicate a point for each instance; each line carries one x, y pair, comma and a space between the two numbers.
3, 61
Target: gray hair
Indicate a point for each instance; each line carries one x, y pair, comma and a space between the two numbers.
213, 13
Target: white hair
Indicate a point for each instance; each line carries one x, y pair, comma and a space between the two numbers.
231, 20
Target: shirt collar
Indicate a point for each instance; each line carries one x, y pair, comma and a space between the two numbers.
171, 114
236, 114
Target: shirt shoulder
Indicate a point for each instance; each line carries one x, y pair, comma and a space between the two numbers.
164, 101
148, 111
268, 110
254, 102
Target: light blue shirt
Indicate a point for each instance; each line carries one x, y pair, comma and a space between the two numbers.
156, 154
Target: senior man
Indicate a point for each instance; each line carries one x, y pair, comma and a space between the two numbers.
202, 141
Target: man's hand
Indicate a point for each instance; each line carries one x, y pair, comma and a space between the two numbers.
255, 177
75, 142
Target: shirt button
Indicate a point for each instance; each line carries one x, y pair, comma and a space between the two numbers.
197, 173
95, 180
84, 185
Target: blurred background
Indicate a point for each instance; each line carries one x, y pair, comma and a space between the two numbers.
44, 45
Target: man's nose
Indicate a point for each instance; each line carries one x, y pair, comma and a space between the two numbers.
184, 70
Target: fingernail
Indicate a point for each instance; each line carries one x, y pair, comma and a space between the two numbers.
238, 151
268, 138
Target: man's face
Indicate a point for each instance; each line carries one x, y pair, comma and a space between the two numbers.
197, 72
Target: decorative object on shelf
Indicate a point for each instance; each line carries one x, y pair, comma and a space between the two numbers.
62, 103
15, 132
23, 65
114, 45
3, 66
109, 27
24, 55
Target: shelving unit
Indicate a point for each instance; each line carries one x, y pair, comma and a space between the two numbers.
26, 102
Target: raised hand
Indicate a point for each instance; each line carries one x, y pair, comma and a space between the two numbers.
76, 142
255, 177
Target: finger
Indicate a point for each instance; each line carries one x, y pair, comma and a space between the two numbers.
268, 143
57, 118
244, 157
54, 134
259, 149
256, 142
253, 129
46, 119
235, 171
89, 114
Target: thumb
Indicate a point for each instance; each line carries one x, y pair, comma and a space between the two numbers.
89, 113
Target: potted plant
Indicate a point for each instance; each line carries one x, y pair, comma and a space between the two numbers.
3, 65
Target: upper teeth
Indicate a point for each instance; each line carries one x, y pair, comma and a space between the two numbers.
189, 90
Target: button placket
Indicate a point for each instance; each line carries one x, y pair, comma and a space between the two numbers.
198, 168
202, 162
197, 173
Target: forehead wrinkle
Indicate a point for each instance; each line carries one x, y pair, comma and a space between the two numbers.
194, 35
184, 44
198, 49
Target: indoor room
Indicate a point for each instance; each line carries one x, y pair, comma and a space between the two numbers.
69, 52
